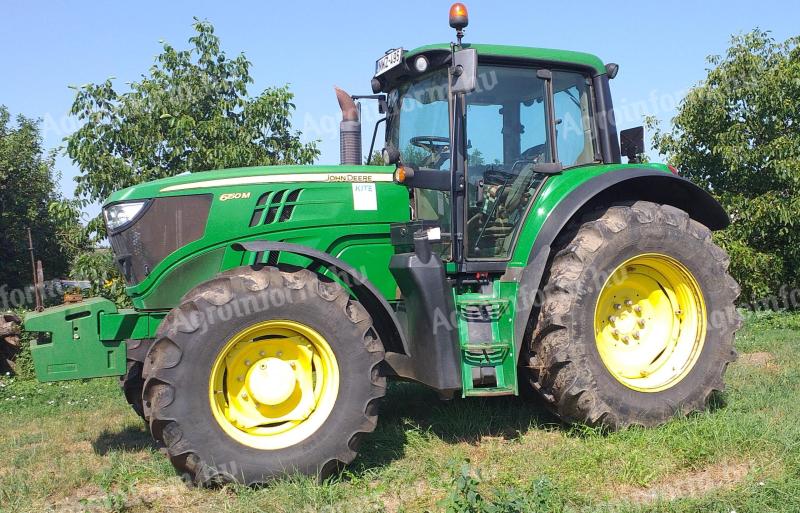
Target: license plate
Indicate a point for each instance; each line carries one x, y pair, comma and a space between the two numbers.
390, 60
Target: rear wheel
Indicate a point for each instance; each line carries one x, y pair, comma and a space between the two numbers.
263, 373
637, 321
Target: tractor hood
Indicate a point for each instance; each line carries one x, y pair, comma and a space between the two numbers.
246, 177
169, 234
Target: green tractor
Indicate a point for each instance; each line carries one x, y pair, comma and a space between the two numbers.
504, 249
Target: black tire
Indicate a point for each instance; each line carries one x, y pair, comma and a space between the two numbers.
563, 362
132, 382
178, 368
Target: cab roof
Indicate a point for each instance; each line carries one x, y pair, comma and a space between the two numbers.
524, 52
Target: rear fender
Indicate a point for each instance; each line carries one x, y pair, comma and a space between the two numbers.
630, 184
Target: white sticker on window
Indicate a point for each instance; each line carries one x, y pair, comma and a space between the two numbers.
364, 197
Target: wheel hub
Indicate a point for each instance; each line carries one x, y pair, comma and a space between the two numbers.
271, 381
650, 322
273, 384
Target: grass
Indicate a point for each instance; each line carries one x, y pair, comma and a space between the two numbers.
77, 447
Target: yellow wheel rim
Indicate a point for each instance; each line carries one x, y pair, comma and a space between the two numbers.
650, 322
274, 384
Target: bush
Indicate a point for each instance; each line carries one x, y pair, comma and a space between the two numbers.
738, 135
98, 268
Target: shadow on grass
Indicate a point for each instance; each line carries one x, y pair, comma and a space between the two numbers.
410, 407
129, 439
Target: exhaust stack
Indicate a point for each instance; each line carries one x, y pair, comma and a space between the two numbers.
349, 130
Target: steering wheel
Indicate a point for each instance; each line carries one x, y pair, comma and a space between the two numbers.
532, 155
439, 147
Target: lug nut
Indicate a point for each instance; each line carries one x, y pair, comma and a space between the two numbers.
641, 323
279, 354
247, 363
240, 379
636, 335
262, 353
637, 309
617, 306
292, 365
625, 339
612, 319
615, 332
244, 396
628, 302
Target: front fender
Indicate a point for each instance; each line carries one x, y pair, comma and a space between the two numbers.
382, 314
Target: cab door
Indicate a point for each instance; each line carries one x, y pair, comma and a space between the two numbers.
517, 118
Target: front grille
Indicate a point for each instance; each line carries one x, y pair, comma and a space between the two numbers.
166, 225
275, 206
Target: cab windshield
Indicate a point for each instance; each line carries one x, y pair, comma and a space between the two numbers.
418, 121
507, 134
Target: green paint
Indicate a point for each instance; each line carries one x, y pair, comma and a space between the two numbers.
86, 339
524, 52
323, 218
496, 350
553, 192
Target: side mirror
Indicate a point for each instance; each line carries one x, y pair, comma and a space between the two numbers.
631, 142
464, 73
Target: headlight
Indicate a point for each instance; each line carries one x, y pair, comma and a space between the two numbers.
122, 213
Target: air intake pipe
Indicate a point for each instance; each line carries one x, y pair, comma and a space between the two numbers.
349, 130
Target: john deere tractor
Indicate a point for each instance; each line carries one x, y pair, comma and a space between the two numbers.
504, 248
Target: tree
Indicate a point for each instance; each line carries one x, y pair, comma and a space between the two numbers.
27, 195
738, 135
191, 112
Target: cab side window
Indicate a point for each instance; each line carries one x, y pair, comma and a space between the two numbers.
572, 103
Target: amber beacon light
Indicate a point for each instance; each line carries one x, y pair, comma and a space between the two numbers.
459, 18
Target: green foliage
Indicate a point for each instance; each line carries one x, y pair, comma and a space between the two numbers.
28, 199
465, 496
190, 112
376, 159
738, 135
415, 156
71, 234
98, 268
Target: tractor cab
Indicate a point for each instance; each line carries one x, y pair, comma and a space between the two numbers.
475, 130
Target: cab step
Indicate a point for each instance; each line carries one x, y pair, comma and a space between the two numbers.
486, 330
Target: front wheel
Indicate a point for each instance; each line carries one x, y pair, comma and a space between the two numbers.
263, 373
132, 383
637, 321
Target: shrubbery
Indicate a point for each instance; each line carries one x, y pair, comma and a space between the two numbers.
737, 134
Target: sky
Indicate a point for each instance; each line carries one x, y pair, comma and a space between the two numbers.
661, 48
